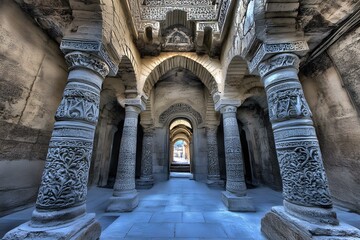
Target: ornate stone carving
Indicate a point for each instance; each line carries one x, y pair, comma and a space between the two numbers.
212, 154
279, 61
79, 59
180, 108
303, 175
64, 180
178, 39
235, 182
299, 47
297, 147
287, 104
211, 14
125, 176
96, 48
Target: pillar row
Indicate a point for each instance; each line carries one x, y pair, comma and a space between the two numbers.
125, 196
305, 185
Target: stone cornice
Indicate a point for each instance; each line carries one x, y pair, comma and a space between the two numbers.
95, 48
266, 50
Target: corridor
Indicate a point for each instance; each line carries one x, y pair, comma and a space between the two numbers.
178, 209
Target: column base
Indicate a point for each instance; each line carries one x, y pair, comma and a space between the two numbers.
280, 225
83, 228
215, 183
125, 203
144, 183
237, 204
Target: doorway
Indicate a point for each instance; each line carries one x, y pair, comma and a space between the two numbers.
181, 132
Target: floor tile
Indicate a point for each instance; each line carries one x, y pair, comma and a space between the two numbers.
200, 230
147, 230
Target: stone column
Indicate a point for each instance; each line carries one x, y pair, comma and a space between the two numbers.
146, 180
60, 211
125, 197
213, 178
305, 186
235, 195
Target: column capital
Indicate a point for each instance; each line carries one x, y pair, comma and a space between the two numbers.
279, 61
267, 50
78, 59
135, 102
95, 48
227, 102
228, 109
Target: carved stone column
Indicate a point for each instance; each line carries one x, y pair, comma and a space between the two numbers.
235, 195
146, 180
213, 178
307, 200
125, 197
60, 211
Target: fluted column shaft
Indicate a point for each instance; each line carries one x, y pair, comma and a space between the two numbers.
147, 151
302, 171
125, 176
212, 154
235, 181
64, 181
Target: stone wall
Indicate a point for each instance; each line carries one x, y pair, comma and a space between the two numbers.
331, 86
33, 75
264, 165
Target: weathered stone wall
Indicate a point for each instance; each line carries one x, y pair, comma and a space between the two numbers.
33, 75
265, 168
331, 86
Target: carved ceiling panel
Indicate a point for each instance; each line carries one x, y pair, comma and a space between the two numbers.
178, 25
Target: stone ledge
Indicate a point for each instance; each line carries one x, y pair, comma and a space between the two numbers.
278, 224
237, 204
123, 204
83, 228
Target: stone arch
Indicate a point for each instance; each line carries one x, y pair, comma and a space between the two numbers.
202, 69
180, 110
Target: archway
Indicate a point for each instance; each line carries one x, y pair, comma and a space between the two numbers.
180, 146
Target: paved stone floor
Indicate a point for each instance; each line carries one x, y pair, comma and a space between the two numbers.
178, 209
